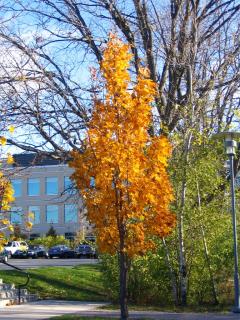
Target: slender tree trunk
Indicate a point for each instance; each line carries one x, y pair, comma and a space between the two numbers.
182, 258
172, 273
123, 298
214, 291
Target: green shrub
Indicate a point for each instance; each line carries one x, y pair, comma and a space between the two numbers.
110, 271
148, 282
50, 241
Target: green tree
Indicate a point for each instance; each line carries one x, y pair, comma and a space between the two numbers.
51, 232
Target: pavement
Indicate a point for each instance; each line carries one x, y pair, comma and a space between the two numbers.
45, 309
39, 263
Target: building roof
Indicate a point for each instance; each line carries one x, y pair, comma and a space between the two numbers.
34, 159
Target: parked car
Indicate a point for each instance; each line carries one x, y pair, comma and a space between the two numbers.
85, 251
61, 251
20, 254
3, 256
37, 251
12, 246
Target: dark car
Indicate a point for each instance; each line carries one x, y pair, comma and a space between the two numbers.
61, 251
37, 251
20, 254
4, 256
86, 251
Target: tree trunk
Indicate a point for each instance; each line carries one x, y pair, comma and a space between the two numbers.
214, 291
182, 259
123, 298
172, 273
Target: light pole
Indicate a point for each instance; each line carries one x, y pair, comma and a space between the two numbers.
230, 147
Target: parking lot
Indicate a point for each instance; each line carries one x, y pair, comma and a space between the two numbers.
37, 263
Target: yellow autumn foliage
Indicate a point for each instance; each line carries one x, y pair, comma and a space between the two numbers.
129, 200
3, 141
6, 196
6, 193
31, 215
10, 159
28, 225
11, 129
11, 228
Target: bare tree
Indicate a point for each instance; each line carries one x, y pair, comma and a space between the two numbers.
190, 47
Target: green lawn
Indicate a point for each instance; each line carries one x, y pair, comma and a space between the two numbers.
82, 283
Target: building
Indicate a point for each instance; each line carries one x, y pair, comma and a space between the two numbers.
43, 187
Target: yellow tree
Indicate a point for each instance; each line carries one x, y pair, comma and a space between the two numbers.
121, 173
6, 196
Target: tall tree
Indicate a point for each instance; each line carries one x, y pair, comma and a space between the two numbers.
122, 171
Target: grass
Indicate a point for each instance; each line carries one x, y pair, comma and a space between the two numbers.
81, 283
85, 283
171, 308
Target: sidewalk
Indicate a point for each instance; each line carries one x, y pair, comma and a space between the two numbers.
46, 309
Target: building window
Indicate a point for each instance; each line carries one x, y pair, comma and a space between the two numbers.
33, 187
52, 214
34, 236
17, 187
35, 210
70, 235
16, 215
70, 213
52, 185
68, 185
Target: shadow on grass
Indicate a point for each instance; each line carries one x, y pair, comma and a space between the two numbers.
59, 284
48, 286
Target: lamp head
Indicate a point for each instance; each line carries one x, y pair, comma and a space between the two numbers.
230, 147
229, 141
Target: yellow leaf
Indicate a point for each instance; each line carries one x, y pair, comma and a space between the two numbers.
3, 141
10, 159
11, 129
28, 225
10, 228
31, 215
4, 221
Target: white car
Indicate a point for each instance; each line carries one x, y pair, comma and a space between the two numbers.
12, 246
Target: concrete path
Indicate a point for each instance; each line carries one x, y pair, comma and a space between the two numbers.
39, 263
45, 309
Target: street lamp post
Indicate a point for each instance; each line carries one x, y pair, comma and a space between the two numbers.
230, 147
